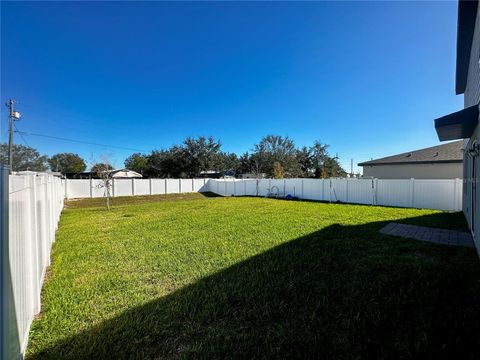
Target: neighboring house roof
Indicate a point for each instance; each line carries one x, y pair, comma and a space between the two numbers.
125, 173
467, 13
445, 153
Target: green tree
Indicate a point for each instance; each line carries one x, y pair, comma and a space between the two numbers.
332, 168
67, 163
225, 163
166, 163
304, 159
137, 162
24, 158
273, 148
199, 154
244, 164
278, 172
99, 168
318, 157
187, 160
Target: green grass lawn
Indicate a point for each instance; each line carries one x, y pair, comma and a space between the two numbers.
190, 276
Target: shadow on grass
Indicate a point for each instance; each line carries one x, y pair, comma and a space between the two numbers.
137, 199
344, 292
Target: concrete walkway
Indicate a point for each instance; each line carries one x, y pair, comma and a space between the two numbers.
434, 235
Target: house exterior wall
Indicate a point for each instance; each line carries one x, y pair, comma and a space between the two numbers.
472, 90
471, 206
415, 171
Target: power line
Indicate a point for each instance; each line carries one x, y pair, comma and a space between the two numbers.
80, 141
21, 135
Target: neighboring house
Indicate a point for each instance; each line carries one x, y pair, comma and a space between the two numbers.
124, 174
252, 176
437, 162
464, 124
117, 174
214, 174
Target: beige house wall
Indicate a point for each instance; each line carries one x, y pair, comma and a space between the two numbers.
416, 171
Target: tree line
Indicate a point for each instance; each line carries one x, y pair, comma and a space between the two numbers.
27, 158
273, 156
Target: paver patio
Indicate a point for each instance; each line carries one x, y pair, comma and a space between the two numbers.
434, 235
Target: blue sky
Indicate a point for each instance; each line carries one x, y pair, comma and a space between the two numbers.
367, 78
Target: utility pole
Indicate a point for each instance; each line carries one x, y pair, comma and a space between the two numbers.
10, 134
13, 115
351, 168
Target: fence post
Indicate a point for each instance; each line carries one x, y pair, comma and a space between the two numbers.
165, 187
150, 185
412, 192
35, 244
302, 190
66, 188
460, 194
454, 208
330, 195
91, 187
133, 186
346, 190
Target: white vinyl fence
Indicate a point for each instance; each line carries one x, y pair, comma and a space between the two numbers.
131, 187
443, 194
439, 194
33, 207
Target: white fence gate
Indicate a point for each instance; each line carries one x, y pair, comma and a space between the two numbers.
30, 209
443, 194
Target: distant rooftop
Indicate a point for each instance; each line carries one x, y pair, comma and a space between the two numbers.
445, 153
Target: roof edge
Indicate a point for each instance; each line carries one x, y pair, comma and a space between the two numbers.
367, 163
467, 15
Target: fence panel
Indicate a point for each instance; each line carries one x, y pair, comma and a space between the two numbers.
78, 188
122, 187
186, 185
394, 193
263, 187
35, 202
312, 189
361, 191
293, 187
141, 186
158, 186
229, 188
172, 186
239, 188
339, 190
98, 189
199, 185
434, 194
277, 186
250, 187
